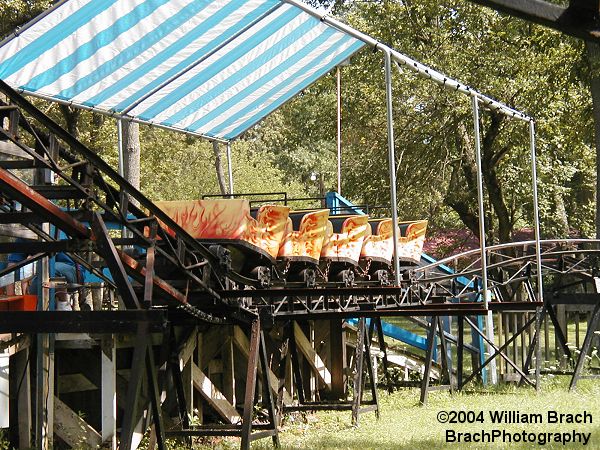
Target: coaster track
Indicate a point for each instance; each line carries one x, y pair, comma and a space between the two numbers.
92, 194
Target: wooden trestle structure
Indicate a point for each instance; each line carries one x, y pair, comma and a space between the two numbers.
180, 315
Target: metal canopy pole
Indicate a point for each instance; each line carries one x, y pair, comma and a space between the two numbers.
392, 160
536, 212
339, 130
420, 69
482, 244
229, 169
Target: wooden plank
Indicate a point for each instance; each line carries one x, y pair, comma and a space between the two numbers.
10, 148
312, 357
108, 356
212, 342
16, 230
72, 429
242, 342
15, 345
75, 382
24, 398
213, 396
187, 349
227, 368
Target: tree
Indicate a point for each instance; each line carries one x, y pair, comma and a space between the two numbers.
534, 69
531, 68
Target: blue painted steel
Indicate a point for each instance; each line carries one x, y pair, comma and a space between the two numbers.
401, 334
340, 205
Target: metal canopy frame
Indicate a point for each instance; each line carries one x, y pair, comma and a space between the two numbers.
446, 82
401, 60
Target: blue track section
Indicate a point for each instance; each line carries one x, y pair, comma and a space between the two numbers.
400, 334
341, 205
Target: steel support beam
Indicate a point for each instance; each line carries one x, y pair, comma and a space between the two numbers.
118, 322
115, 265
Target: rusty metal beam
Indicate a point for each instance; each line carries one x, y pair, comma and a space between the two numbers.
11, 186
110, 254
138, 271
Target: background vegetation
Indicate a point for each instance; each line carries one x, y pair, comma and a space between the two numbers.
534, 69
404, 424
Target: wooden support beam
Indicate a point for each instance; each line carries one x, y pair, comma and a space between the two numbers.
227, 368
212, 342
312, 357
72, 429
21, 386
74, 382
109, 391
242, 342
186, 351
134, 387
250, 385
213, 396
337, 354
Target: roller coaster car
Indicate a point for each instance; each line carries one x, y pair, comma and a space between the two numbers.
342, 246
378, 248
300, 250
412, 238
252, 244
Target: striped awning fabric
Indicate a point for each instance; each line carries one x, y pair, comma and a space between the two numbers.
208, 67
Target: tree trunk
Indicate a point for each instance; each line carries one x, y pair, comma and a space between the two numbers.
71, 116
461, 195
593, 53
131, 152
219, 169
561, 216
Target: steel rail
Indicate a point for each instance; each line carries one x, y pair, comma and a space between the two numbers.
449, 259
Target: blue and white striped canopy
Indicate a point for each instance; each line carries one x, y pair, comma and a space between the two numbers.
208, 67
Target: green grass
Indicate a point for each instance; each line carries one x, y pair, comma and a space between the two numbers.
406, 425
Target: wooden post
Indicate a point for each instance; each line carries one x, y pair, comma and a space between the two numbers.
44, 392
460, 349
109, 391
267, 394
228, 367
250, 384
592, 327
358, 370
428, 360
561, 319
338, 358
538, 347
501, 340
20, 374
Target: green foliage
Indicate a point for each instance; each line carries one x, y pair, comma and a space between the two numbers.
405, 424
531, 68
15, 13
534, 69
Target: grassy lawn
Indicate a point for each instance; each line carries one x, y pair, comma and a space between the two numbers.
405, 424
